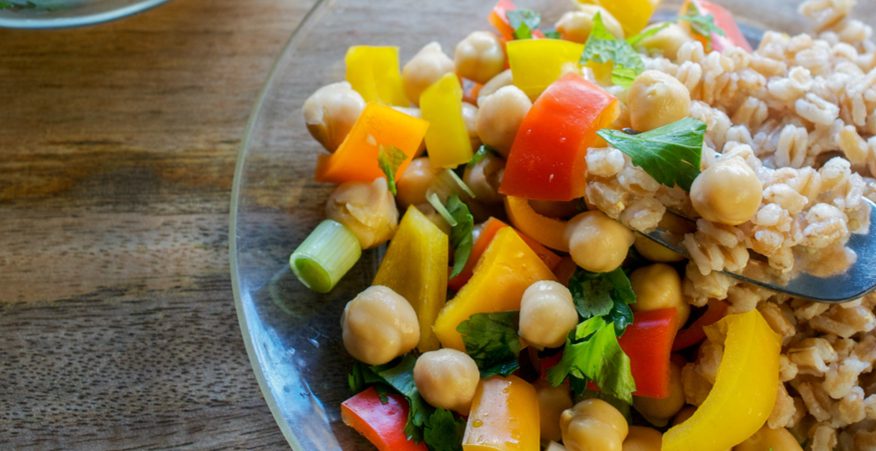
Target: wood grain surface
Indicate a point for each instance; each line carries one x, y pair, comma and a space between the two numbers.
117, 149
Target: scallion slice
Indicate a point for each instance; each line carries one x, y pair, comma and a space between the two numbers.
323, 258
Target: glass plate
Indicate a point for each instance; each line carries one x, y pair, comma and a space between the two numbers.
69, 13
293, 335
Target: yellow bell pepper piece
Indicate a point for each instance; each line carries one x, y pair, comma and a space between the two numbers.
415, 266
536, 63
505, 270
633, 15
504, 416
548, 231
744, 392
374, 73
447, 138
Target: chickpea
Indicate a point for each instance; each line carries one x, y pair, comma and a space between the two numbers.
643, 438
484, 178
667, 41
766, 438
683, 414
576, 25
659, 411
425, 68
598, 243
728, 192
379, 325
503, 79
500, 115
547, 314
480, 56
330, 113
415, 181
658, 286
367, 209
657, 99
554, 446
552, 401
447, 378
593, 424
470, 117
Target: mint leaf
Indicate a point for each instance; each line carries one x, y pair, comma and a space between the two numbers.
491, 340
702, 24
523, 22
670, 154
389, 158
444, 431
645, 34
460, 233
604, 47
606, 295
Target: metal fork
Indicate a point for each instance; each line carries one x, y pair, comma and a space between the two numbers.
856, 281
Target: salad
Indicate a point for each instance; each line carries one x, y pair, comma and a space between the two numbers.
519, 304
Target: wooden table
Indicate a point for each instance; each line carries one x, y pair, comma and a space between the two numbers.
117, 149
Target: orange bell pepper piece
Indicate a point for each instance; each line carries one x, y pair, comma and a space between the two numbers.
374, 73
548, 231
498, 18
504, 416
723, 19
501, 275
383, 424
356, 158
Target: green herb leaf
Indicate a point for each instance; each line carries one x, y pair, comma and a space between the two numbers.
460, 234
551, 33
435, 202
444, 431
597, 357
491, 340
483, 151
604, 47
647, 33
524, 22
670, 154
389, 158
702, 24
603, 295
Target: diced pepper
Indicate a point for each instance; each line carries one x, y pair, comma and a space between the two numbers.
470, 91
633, 15
546, 161
648, 343
383, 424
548, 231
374, 73
499, 19
744, 393
694, 333
536, 63
415, 266
356, 158
504, 416
488, 231
501, 275
565, 270
723, 19
446, 139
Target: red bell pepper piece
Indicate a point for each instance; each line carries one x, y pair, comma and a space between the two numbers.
546, 161
724, 20
648, 343
694, 333
382, 424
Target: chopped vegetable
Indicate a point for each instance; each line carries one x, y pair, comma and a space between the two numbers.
547, 158
504, 416
547, 231
694, 333
606, 294
603, 48
523, 22
633, 15
593, 353
374, 73
460, 234
443, 431
648, 343
322, 259
670, 154
447, 138
501, 275
744, 392
536, 63
381, 419
491, 340
415, 266
389, 159
498, 18
712, 25
357, 157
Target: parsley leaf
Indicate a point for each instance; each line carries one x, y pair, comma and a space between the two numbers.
551, 33
460, 233
389, 158
604, 47
595, 355
491, 340
444, 431
607, 295
524, 22
702, 24
647, 33
670, 154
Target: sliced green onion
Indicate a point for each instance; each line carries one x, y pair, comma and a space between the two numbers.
435, 201
323, 258
447, 183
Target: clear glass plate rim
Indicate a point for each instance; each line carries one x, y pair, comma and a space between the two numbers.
79, 21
